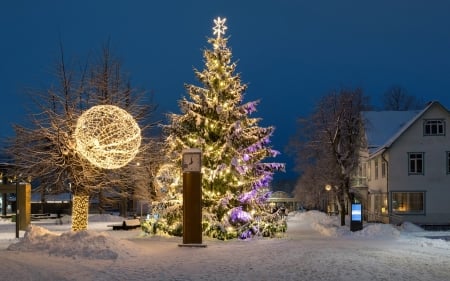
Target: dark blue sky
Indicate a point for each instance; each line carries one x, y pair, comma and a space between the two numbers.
289, 52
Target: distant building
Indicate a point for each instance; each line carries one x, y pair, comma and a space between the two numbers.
282, 199
404, 172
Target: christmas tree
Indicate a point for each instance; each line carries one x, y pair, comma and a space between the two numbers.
235, 181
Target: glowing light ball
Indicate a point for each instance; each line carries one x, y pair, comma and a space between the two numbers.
107, 136
167, 176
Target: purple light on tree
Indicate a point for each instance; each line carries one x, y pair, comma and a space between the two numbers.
239, 216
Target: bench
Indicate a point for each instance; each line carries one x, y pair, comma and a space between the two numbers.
126, 224
45, 216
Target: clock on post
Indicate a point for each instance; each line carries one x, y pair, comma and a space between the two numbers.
192, 160
192, 197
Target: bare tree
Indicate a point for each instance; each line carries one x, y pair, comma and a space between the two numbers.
328, 143
46, 150
397, 98
309, 188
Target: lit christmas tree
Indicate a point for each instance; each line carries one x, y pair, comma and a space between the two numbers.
235, 181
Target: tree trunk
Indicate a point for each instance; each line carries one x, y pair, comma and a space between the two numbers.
124, 207
80, 210
42, 200
341, 203
101, 202
342, 211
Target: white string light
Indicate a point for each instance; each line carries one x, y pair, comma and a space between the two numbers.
107, 136
220, 27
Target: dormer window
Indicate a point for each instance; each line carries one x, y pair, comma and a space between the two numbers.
434, 127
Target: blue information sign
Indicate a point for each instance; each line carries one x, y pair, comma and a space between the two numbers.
356, 212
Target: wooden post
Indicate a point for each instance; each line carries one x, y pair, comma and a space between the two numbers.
192, 198
192, 208
24, 205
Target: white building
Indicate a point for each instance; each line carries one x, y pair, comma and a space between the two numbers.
406, 166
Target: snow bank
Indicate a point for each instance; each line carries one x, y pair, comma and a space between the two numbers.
74, 244
330, 226
410, 227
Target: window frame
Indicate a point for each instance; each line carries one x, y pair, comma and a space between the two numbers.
409, 201
438, 125
422, 163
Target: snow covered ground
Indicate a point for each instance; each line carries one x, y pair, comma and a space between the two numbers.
315, 247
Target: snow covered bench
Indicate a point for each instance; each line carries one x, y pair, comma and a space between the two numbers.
46, 216
126, 224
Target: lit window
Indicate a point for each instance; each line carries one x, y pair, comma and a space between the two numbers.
380, 206
415, 163
408, 202
434, 127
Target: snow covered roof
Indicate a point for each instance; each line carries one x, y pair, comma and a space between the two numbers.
384, 127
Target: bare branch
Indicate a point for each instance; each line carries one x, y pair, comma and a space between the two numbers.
47, 151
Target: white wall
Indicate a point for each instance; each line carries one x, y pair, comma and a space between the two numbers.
435, 181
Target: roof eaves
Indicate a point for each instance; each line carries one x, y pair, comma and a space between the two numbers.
390, 141
377, 152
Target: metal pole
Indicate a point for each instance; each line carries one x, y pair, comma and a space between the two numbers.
17, 209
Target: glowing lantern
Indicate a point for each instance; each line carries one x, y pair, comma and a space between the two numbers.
107, 136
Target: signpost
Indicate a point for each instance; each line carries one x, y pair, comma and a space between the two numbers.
23, 202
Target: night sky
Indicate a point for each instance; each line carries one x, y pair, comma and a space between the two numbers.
290, 52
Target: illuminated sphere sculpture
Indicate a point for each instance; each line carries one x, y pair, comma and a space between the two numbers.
107, 136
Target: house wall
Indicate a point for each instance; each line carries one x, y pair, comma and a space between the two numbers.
377, 205
435, 181
377, 181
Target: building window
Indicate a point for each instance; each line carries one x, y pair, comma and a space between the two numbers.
380, 203
369, 168
434, 127
408, 202
376, 169
448, 162
415, 165
383, 169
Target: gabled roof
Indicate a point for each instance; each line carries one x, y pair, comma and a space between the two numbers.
383, 128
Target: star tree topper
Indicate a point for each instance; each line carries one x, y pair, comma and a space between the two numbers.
220, 27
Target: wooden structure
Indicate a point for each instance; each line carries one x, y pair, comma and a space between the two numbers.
23, 201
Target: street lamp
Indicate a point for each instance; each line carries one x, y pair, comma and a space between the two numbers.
328, 188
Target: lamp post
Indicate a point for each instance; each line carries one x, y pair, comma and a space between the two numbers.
17, 208
328, 188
